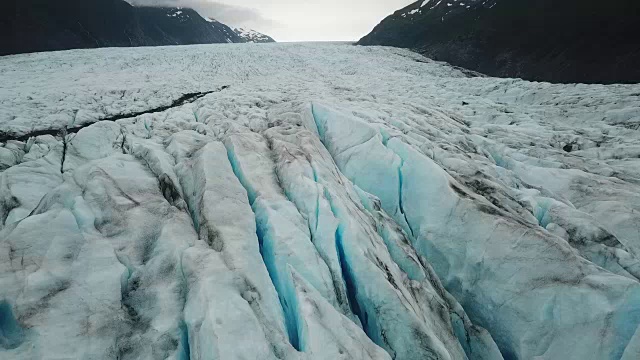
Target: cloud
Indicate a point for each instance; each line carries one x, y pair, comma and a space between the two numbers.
233, 15
293, 20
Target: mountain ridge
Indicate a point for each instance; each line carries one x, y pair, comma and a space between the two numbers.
39, 25
568, 41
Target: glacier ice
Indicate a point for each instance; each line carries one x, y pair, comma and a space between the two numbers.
457, 232
282, 232
330, 202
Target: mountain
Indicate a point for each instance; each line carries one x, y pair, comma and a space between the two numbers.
253, 36
248, 36
44, 25
312, 202
587, 41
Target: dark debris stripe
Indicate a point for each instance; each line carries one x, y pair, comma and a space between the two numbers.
184, 99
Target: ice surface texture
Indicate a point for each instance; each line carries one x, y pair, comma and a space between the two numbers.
332, 202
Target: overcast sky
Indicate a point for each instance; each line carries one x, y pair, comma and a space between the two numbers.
295, 20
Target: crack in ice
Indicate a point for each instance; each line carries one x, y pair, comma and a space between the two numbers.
182, 100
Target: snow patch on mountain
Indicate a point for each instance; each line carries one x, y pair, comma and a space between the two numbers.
417, 7
252, 36
248, 36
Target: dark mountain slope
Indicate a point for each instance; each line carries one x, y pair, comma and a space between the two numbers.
547, 40
43, 25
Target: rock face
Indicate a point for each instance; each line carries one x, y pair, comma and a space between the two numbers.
312, 201
44, 25
544, 40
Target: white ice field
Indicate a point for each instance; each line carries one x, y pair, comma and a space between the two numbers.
312, 201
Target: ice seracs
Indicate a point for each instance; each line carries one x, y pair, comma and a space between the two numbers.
445, 221
316, 202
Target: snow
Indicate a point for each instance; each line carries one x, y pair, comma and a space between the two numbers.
177, 13
251, 36
417, 10
333, 202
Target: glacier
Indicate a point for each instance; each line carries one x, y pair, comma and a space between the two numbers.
312, 201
